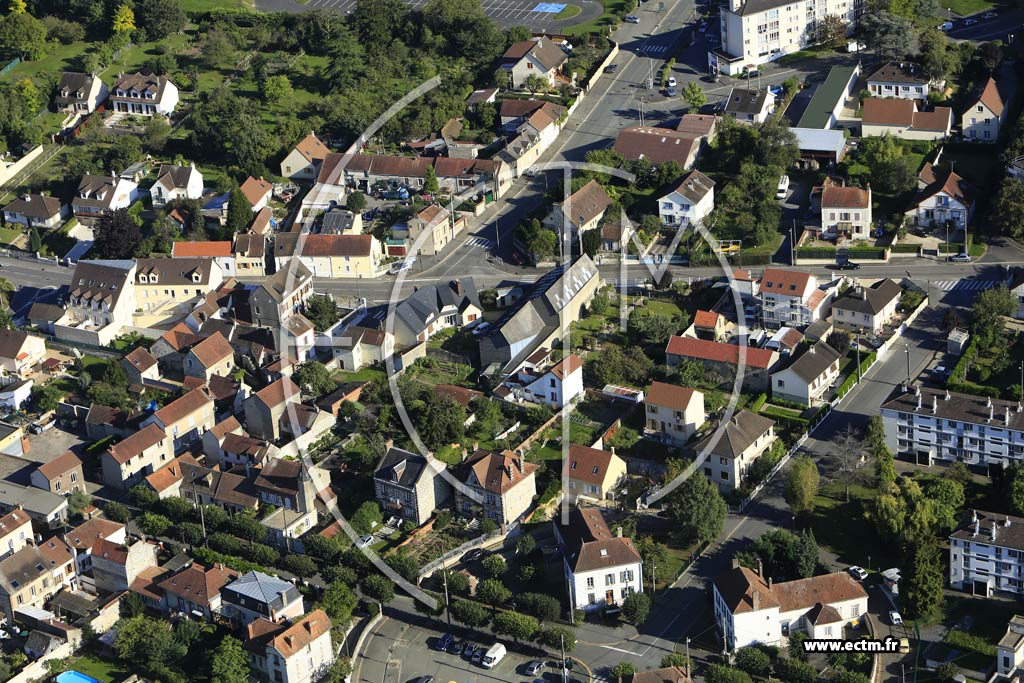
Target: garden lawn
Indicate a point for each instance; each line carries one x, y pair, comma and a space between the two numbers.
842, 528
568, 12
59, 58
613, 9
665, 308
9, 235
100, 669
968, 7
364, 375
207, 5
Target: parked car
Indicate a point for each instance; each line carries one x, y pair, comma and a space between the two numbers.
710, 78
470, 650
481, 328
444, 642
970, 22
495, 653
4, 635
478, 656
858, 572
611, 68
533, 668
672, 81
670, 92
753, 73
364, 541
457, 647
847, 265
783, 188
473, 556
632, 19
945, 26
703, 26
959, 258
517, 258
423, 679
989, 15
895, 618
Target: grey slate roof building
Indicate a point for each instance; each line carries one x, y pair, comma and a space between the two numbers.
814, 361
695, 186
590, 545
871, 300
255, 595
535, 319
45, 508
741, 431
423, 307
337, 222
410, 485
744, 101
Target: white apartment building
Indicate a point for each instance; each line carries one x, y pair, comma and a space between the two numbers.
789, 298
751, 609
986, 554
297, 653
931, 424
759, 31
601, 569
690, 202
1010, 651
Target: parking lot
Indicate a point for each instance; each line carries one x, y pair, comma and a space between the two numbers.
400, 651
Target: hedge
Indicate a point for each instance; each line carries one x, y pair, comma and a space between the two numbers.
758, 402
784, 415
866, 252
755, 258
816, 252
210, 557
848, 383
905, 248
959, 373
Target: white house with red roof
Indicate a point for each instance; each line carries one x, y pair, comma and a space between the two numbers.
709, 325
983, 119
790, 298
691, 201
845, 211
724, 359
540, 57
750, 608
674, 413
257, 191
305, 159
591, 473
299, 652
942, 195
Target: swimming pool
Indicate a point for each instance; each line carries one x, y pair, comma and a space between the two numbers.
75, 677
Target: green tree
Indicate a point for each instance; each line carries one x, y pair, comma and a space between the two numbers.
78, 501
356, 202
441, 420
677, 659
157, 132
346, 60
543, 244
890, 35
832, 29
753, 660
1008, 212
22, 35
922, 581
936, 60
540, 605
314, 378
322, 311
535, 84
245, 525
154, 524
189, 532
300, 565
151, 647
698, 509
17, 6
636, 607
277, 89
379, 588
124, 19
404, 563
116, 512
796, 671
557, 637
720, 673
946, 672
229, 663
694, 95
526, 544
802, 485
430, 184
948, 496
239, 211
807, 554
116, 235
472, 614
517, 626
494, 565
366, 517
161, 18
493, 592
590, 242
458, 582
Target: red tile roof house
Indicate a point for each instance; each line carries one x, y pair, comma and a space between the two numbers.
750, 608
301, 652
219, 251
127, 462
503, 483
983, 119
304, 161
673, 412
723, 359
942, 196
790, 298
212, 356
258, 192
709, 325
61, 475
540, 57
140, 365
195, 591
845, 211
267, 408
186, 418
83, 536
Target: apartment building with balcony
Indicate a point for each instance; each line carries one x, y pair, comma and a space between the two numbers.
986, 554
933, 424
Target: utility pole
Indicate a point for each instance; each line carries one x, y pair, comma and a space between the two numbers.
202, 516
859, 375
447, 607
906, 349
792, 244
565, 672
689, 666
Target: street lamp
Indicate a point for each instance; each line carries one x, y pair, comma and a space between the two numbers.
906, 350
1021, 383
857, 347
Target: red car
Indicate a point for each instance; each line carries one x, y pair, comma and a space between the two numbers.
517, 258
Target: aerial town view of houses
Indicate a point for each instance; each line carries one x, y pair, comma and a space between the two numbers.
511, 341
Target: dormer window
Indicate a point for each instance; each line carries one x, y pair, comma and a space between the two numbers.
196, 277
135, 93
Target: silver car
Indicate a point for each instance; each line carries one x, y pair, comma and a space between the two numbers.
534, 668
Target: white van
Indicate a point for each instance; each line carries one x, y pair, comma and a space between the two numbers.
494, 655
783, 187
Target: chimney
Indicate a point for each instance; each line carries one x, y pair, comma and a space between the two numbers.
735, 563
618, 532
918, 401
389, 444
917, 390
977, 528
974, 516
991, 412
1007, 420
1006, 522
769, 583
760, 568
995, 528
755, 598
947, 395
988, 402
935, 404
612, 450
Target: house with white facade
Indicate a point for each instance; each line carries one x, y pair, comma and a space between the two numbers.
672, 412
845, 210
358, 347
36, 211
128, 462
747, 436
544, 380
20, 352
808, 378
789, 298
540, 57
905, 118
943, 196
410, 485
591, 473
867, 309
930, 424
533, 137
143, 95
984, 117
101, 302
752, 609
691, 201
176, 182
905, 80
80, 93
583, 210
436, 307
753, 33
1010, 652
986, 555
601, 568
297, 652
750, 106
99, 194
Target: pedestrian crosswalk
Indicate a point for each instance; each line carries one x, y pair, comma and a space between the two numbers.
964, 285
654, 50
481, 242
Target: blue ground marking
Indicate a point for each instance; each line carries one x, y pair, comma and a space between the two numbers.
549, 7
